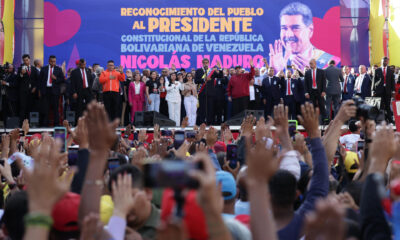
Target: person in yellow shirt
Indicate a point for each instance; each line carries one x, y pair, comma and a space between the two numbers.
110, 79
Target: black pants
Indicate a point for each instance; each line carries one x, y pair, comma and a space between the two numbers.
164, 107
385, 105
239, 105
318, 101
253, 105
84, 97
205, 112
291, 104
220, 110
50, 102
111, 103
269, 107
25, 104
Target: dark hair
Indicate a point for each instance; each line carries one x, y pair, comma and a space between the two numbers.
332, 62
352, 126
135, 74
152, 73
15, 210
221, 158
283, 188
297, 8
170, 79
81, 60
110, 61
52, 56
95, 64
136, 174
26, 56
385, 58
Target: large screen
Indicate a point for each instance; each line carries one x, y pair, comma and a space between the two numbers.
156, 34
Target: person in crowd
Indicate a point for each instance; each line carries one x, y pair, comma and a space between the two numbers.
110, 79
136, 96
292, 94
97, 88
38, 64
221, 97
350, 139
182, 80
271, 91
163, 94
153, 92
362, 86
9, 93
28, 84
51, 77
174, 98
315, 87
238, 87
349, 81
81, 81
254, 96
383, 86
333, 88
190, 100
126, 107
205, 78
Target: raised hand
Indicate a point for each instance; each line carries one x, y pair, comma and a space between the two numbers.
101, 133
276, 58
142, 136
247, 126
326, 222
5, 144
310, 120
25, 126
45, 170
382, 148
347, 111
262, 162
262, 129
122, 195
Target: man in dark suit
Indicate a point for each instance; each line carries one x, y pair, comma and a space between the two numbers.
271, 91
81, 86
205, 78
383, 86
333, 89
362, 86
348, 84
9, 93
315, 86
28, 83
51, 76
292, 94
254, 96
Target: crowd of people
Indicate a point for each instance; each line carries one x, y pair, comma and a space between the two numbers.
276, 186
210, 94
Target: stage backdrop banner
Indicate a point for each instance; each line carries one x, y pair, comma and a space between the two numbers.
156, 33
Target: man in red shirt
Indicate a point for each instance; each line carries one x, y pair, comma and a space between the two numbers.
238, 89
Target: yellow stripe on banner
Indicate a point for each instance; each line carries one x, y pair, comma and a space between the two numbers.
376, 23
394, 32
8, 21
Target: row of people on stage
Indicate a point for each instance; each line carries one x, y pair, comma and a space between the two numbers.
208, 95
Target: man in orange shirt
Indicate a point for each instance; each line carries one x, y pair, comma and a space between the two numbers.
110, 79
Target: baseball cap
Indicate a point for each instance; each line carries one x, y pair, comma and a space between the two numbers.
77, 62
219, 147
65, 213
290, 162
228, 184
351, 162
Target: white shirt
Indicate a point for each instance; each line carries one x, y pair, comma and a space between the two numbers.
83, 72
49, 84
252, 93
349, 140
358, 84
173, 94
137, 88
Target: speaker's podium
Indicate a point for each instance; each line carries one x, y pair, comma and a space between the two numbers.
238, 118
150, 118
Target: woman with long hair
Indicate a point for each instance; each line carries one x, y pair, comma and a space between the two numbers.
190, 100
153, 92
174, 99
136, 95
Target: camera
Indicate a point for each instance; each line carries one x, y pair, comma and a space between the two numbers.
367, 111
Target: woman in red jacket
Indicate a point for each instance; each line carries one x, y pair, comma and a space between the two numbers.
137, 90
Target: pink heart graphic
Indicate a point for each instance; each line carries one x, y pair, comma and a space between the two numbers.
59, 26
327, 32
